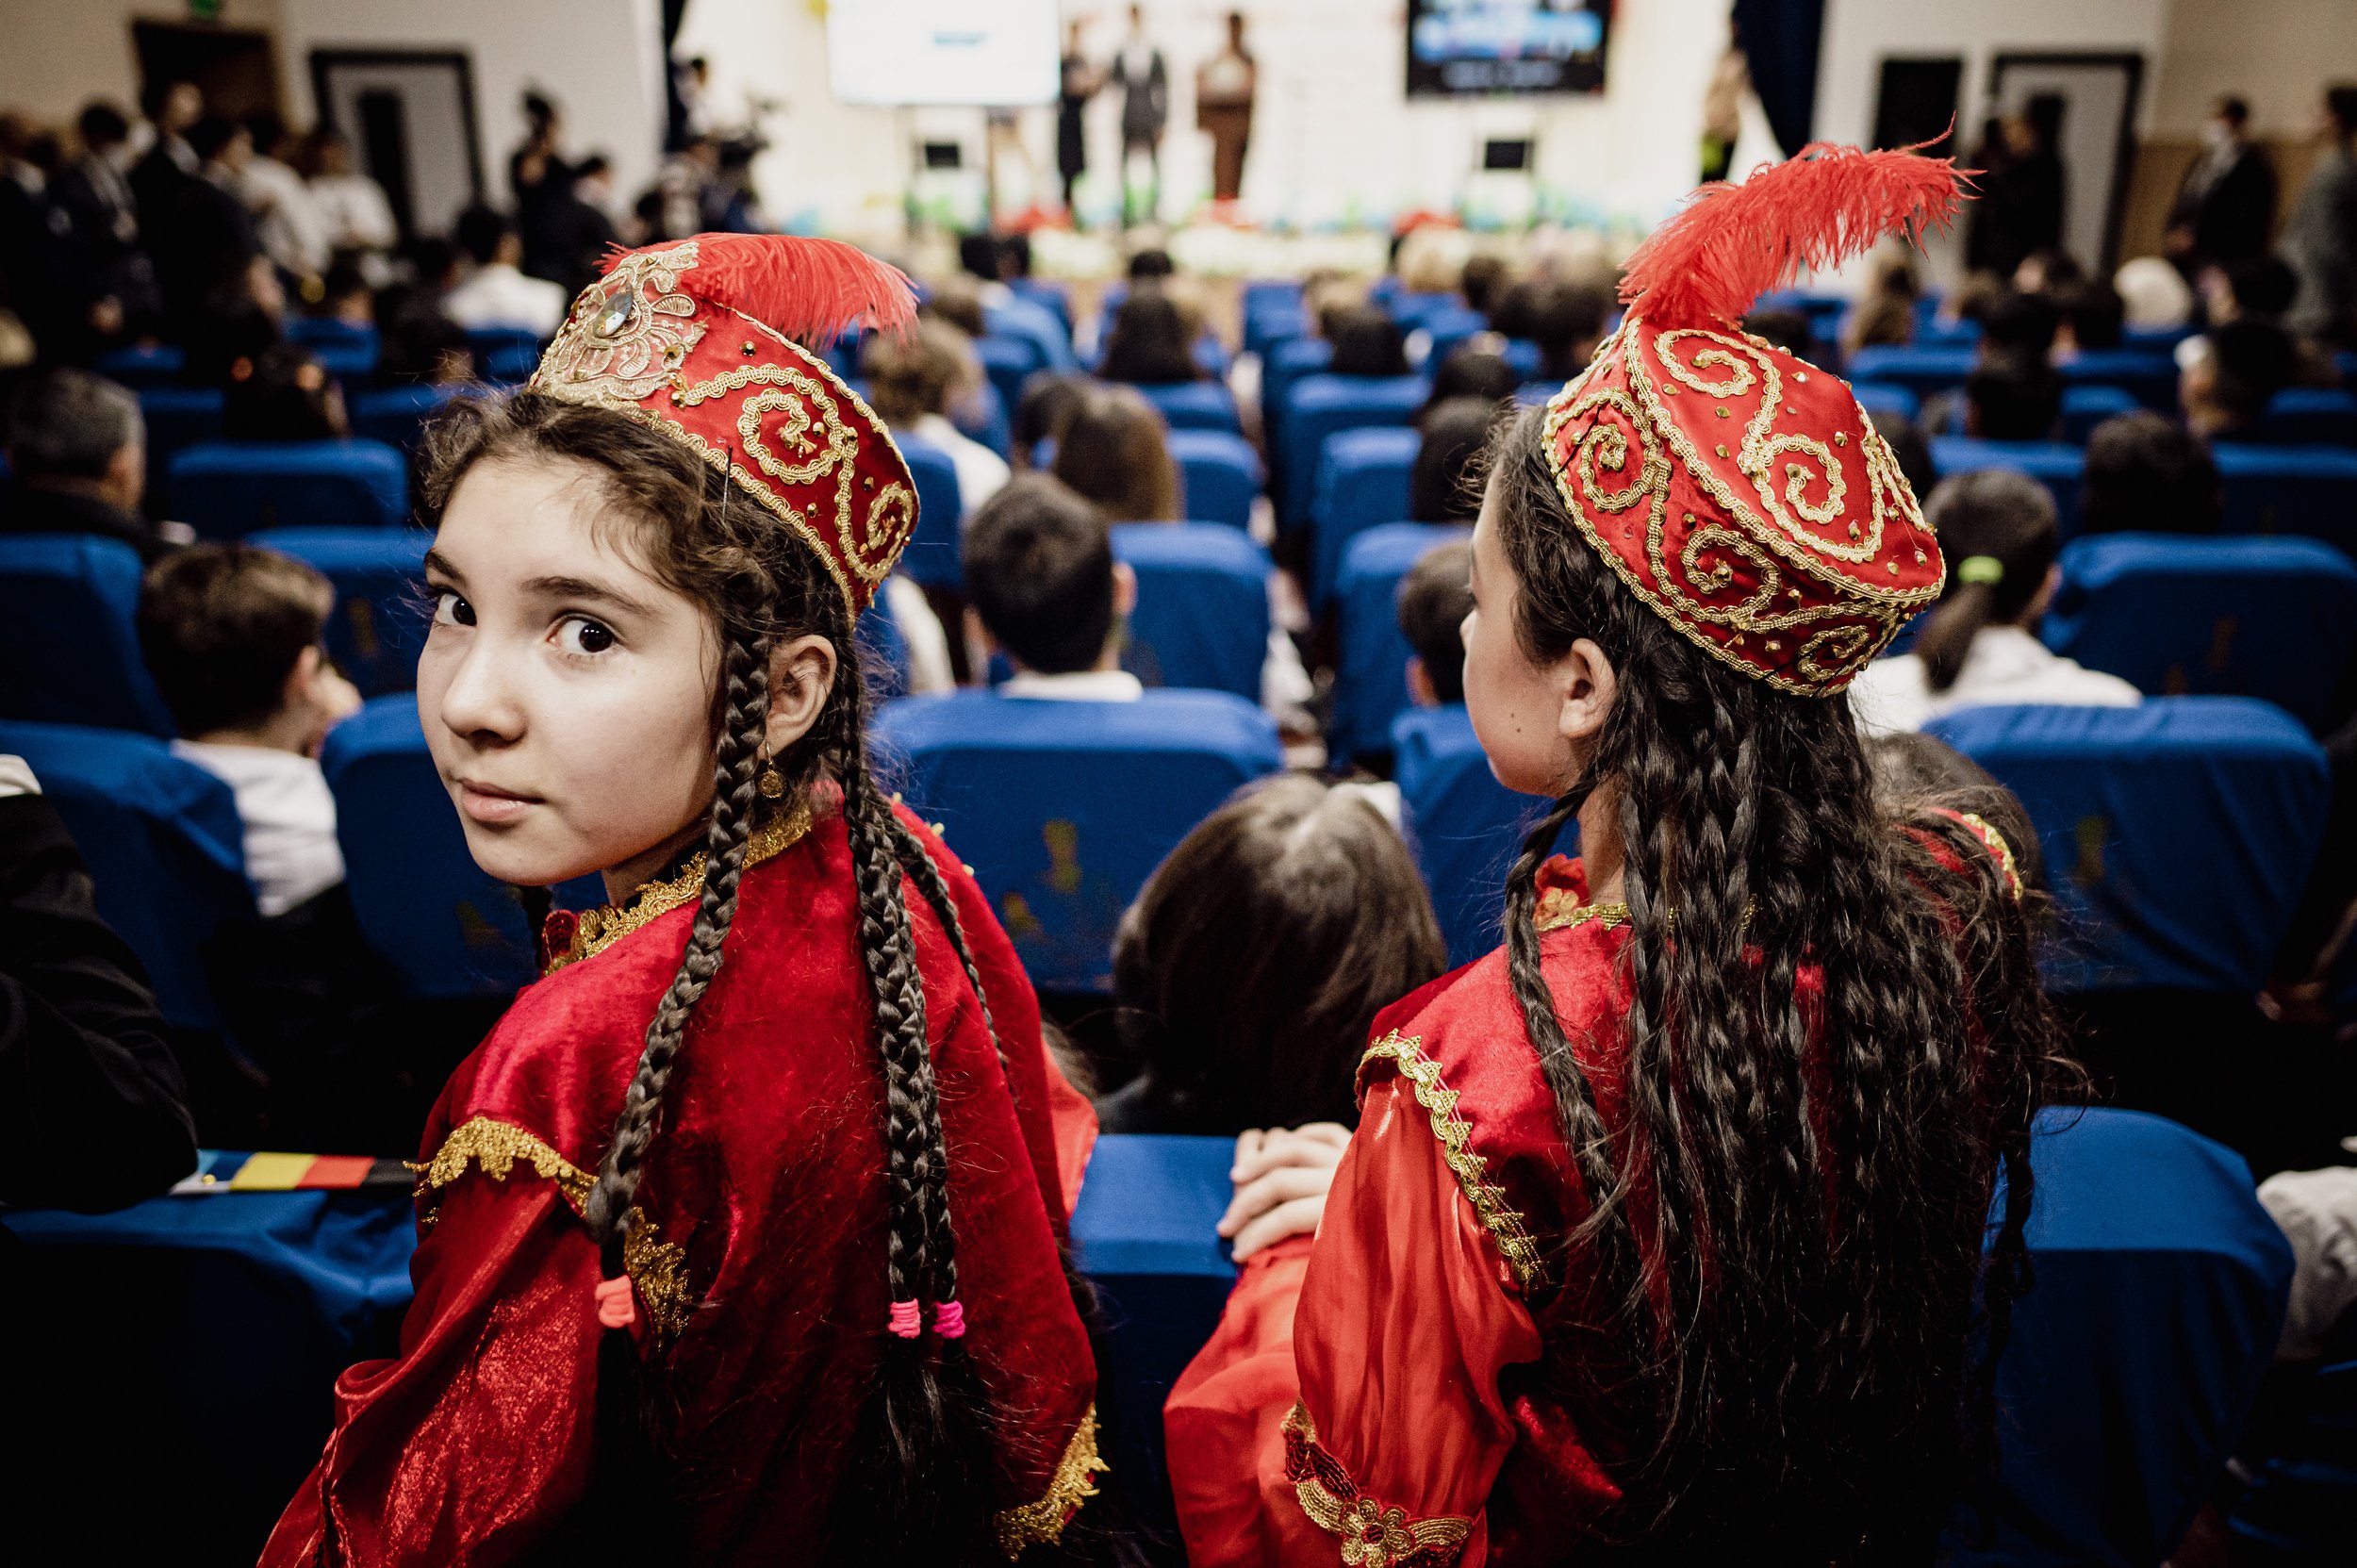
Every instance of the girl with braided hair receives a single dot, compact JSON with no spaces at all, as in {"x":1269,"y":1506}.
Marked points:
{"x":741,"y":1236}
{"x":1660,"y":1237}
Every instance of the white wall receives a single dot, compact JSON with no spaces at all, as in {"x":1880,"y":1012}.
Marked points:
{"x":2278,"y":55}
{"x":58,"y":55}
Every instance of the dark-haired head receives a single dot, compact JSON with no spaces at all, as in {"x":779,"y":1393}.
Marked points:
{"x":2147,"y":474}
{"x":959,"y":301}
{"x":1434,"y":601}
{"x":284,"y":396}
{"x":2012,"y":399}
{"x":225,"y":628}
{"x":2340,"y":108}
{"x":1041,"y":575}
{"x":483,"y":232}
{"x":1997,"y":529}
{"x":1047,"y":405}
{"x":2089,"y":312}
{"x":1149,"y":343}
{"x":1472,"y":371}
{"x":1785,"y":1302}
{"x":1115,"y":450}
{"x":1152,"y":262}
{"x":1788,"y":330}
{"x":1567,"y":322}
{"x":2228,"y":382}
{"x":1444,"y":483}
{"x":102,"y":127}
{"x":2018,"y":325}
{"x":1366,"y":341}
{"x":1484,"y":278}
{"x":1913,"y":771}
{"x":217,"y":138}
{"x":1249,"y":968}
{"x":2042,"y":272}
{"x":2260,"y":288}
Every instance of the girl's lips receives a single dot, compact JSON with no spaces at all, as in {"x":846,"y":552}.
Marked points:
{"x":492,"y":806}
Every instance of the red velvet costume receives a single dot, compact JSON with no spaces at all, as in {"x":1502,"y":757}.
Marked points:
{"x":761,"y":1278}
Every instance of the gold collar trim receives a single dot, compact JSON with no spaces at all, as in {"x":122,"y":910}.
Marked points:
{"x":1044,"y":1520}
{"x":596,"y":929}
{"x":1558,"y":907}
{"x":1504,"y":1223}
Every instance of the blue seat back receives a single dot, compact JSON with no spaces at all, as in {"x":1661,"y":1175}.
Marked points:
{"x":1920,"y":371}
{"x":318,"y":332}
{"x":1267,"y":325}
{"x":1202,"y":619}
{"x":932,"y":555}
{"x":2136,"y":1359}
{"x":1219,"y":475}
{"x":398,"y":415}
{"x":447,"y":927}
{"x":158,"y":365}
{"x":1008,"y":363}
{"x":1464,"y":827}
{"x":2309,"y":416}
{"x":1371,"y":684}
{"x":1887,"y":399}
{"x":163,"y":844}
{"x":2150,"y":378}
{"x":2177,"y":834}
{"x":68,"y":637}
{"x":382,"y":614}
{"x":1320,"y":405}
{"x":2309,"y":490}
{"x":227,"y":490}
{"x":2271,"y":618}
{"x":883,"y":651}
{"x":1054,"y":298}
{"x":1063,"y":809}
{"x":1449,"y":326}
{"x":1036,"y":324}
{"x":176,"y":416}
{"x":1284,"y":364}
{"x":1195,"y":405}
{"x":2085,"y":408}
{"x":1363,"y":480}
{"x":2058,"y":465}
{"x":504,"y":356}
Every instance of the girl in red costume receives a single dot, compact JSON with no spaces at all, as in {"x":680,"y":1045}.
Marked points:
{"x":740,"y":1234}
{"x":1660,"y":1234}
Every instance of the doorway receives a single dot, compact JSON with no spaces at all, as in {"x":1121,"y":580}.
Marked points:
{"x":2085,"y":108}
{"x":236,"y":68}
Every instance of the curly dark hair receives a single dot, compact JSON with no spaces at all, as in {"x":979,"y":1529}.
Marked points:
{"x":1836,"y":1038}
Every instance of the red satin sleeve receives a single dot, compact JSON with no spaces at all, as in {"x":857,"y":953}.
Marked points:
{"x":472,"y":1444}
{"x":1351,"y":1397}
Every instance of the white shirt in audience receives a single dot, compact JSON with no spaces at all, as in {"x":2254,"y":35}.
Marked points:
{"x":2317,"y":1212}
{"x":354,"y":211}
{"x":287,"y":215}
{"x":982,"y":472}
{"x":2005,"y":664}
{"x":499,"y":295}
{"x":289,"y":817}
{"x":928,"y":645}
{"x":1080,"y":685}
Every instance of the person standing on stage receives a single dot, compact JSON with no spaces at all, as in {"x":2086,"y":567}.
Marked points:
{"x":1223,"y":90}
{"x":1139,"y":70}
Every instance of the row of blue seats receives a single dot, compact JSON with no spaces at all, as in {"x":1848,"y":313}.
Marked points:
{"x":346,"y":352}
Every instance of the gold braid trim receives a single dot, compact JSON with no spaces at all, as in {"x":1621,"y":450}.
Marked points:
{"x":1044,"y":1520}
{"x":1985,"y":831}
{"x":1503,"y":1224}
{"x":1559,"y":907}
{"x":600,"y":929}
{"x":1373,"y":1536}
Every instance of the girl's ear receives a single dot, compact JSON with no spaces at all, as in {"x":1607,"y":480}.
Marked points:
{"x":801,"y":677}
{"x":1585,"y":688}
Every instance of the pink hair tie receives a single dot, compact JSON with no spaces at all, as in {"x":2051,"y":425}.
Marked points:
{"x":905,"y":1320}
{"x":615,"y":1310}
{"x":949,"y":1320}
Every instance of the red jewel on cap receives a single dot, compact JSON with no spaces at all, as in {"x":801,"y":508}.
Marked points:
{"x":1773,"y":541}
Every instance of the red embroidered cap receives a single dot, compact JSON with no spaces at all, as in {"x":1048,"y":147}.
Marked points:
{"x":1742,"y":492}
{"x":699,"y":339}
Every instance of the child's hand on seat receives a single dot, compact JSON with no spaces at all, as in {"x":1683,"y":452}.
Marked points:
{"x":1281,"y":1177}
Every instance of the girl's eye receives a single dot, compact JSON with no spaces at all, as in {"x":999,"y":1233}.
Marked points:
{"x":450,"y":610}
{"x":580,"y":634}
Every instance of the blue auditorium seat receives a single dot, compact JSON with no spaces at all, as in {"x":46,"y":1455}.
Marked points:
{"x":1008,"y":363}
{"x":1219,"y":475}
{"x":1202,"y":619}
{"x":1465,"y":828}
{"x":1195,"y":405}
{"x":983,"y":417}
{"x":1268,"y":323}
{"x":2136,"y":1359}
{"x":2271,"y":618}
{"x":2177,"y":834}
{"x":329,"y":332}
{"x":2149,"y":377}
{"x":397,"y":415}
{"x":1363,"y":480}
{"x":504,"y":356}
{"x":1371,"y":684}
{"x":176,"y":416}
{"x":2309,"y":490}
{"x":1450,"y":325}
{"x":1054,"y":298}
{"x":158,"y":365}
{"x":68,"y":639}
{"x":445,"y":926}
{"x":1284,"y":364}
{"x":1322,"y":405}
{"x":931,"y":556}
{"x":2057,"y":465}
{"x":163,"y":844}
{"x":1042,"y":327}
{"x":2154,"y":339}
{"x":1920,"y":371}
{"x":1267,"y":293}
{"x":1885,"y":400}
{"x":2309,"y":416}
{"x":352,"y":362}
{"x":1932,"y":333}
{"x":226,"y":489}
{"x":883,"y":651}
{"x":382,"y":613}
{"x":1065,"y":808}
{"x":2085,"y":408}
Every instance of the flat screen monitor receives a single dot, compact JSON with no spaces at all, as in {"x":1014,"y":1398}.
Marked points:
{"x":952,"y":53}
{"x":1457,"y":48}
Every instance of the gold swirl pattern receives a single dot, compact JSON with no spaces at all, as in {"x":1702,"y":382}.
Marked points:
{"x":626,"y":331}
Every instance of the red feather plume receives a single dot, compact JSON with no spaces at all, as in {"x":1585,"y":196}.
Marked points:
{"x":1733,"y":243}
{"x":811,"y":290}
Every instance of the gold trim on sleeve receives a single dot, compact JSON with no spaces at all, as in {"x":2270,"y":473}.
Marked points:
{"x":1045,"y":1519}
{"x":496,"y":1147}
{"x":1373,"y":1536}
{"x":1503,"y":1224}
{"x":600,"y":929}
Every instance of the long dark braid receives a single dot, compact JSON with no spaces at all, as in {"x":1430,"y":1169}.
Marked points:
{"x":1812,"y":1120}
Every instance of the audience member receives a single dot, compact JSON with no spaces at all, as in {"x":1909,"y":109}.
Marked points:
{"x":2225,"y":206}
{"x":1043,"y":588}
{"x":231,"y":633}
{"x":161,"y":176}
{"x":106,"y":1120}
{"x":1151,"y":264}
{"x":2259,"y":287}
{"x":79,"y":453}
{"x":1435,"y":598}
{"x":1883,"y":316}
{"x":537,"y":172}
{"x":1567,"y":322}
{"x":2320,"y":236}
{"x":1149,"y":345}
{"x":1255,"y":958}
{"x":345,"y":296}
{"x":1049,"y":401}
{"x":2154,"y":294}
{"x":2045,"y":269}
{"x":287,"y":397}
{"x":496,"y":293}
{"x":2227,"y":378}
{"x":288,"y":220}
{"x":1114,"y":453}
{"x":2019,"y":325}
{"x":113,"y":272}
{"x":1473,"y":371}
{"x":208,"y":237}
{"x":1483,"y":279}
{"x":352,"y":206}
{"x":2009,"y":399}
{"x":420,"y":346}
{"x":1915,"y":769}
{"x":226,"y":331}
{"x":578,"y":228}
{"x":2088,"y":315}
{"x":37,"y":263}
{"x":1979,"y":645}
{"x":1444,"y":485}
{"x":1788,"y":330}
{"x":1366,"y":342}
{"x":913,"y":381}
{"x":2145,"y":474}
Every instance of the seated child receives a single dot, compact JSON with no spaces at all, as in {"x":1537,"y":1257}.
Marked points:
{"x":2147,"y":474}
{"x":231,"y":633}
{"x":1980,"y":644}
{"x":913,"y":381}
{"x":1443,"y":485}
{"x":286,"y":396}
{"x":1045,"y":589}
{"x":1434,"y":601}
{"x":1294,"y":878}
